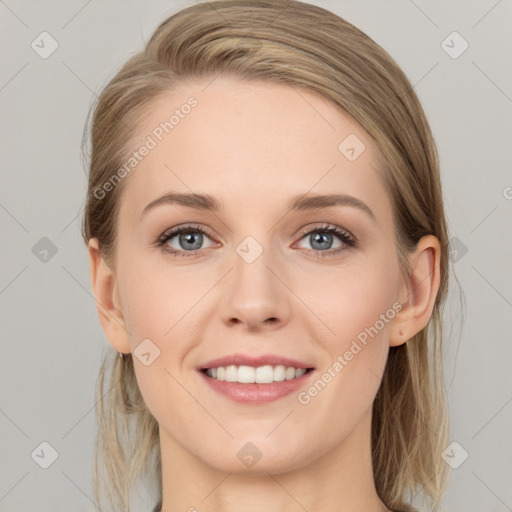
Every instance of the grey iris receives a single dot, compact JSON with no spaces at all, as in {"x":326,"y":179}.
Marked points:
{"x":322,"y":240}
{"x":188,"y":237}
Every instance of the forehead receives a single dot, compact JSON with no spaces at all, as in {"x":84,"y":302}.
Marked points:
{"x":248,"y":142}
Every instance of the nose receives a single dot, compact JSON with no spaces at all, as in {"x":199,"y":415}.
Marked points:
{"x":255,"y":296}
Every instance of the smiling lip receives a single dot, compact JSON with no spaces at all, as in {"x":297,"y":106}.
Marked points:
{"x":255,"y":394}
{"x":246,"y":360}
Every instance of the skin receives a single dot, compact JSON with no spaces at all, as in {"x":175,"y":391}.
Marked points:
{"x":253,"y":145}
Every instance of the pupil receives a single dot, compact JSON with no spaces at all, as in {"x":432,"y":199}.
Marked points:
{"x":321,"y":238}
{"x":189,"y":238}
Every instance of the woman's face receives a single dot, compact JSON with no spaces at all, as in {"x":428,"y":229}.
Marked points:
{"x":264,"y":282}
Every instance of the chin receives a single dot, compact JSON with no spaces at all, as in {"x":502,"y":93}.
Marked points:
{"x":259,"y":457}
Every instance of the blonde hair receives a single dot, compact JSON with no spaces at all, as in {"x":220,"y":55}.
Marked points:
{"x":304,"y":46}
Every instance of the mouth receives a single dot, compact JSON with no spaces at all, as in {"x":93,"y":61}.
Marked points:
{"x":266,"y":374}
{"x":255,"y":380}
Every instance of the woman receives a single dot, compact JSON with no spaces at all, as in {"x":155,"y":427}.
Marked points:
{"x":268,"y":252}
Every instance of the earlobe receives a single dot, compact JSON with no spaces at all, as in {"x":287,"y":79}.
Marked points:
{"x":106,"y":295}
{"x":422,"y":288}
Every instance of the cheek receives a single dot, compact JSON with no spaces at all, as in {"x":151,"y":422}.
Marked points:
{"x":337,"y":304}
{"x":357,"y":307}
{"x":153,"y":302}
{"x":355,"y":301}
{"x":155,"y":309}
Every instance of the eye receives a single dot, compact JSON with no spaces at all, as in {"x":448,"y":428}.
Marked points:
{"x":322,"y":237}
{"x":189,"y":240}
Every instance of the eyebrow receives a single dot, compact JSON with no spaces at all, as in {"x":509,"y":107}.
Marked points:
{"x":300,"y":202}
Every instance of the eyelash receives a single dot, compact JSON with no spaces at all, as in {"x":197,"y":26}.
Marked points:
{"x":343,"y":235}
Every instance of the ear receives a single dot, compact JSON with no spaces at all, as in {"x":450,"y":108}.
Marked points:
{"x":418,"y":293}
{"x":107,"y":299}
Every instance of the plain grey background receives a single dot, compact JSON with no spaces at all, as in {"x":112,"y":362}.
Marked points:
{"x":51,"y":338}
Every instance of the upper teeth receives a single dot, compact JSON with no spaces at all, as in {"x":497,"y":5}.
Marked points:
{"x":259,"y":375}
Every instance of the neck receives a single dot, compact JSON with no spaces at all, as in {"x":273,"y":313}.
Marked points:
{"x":340,"y":480}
